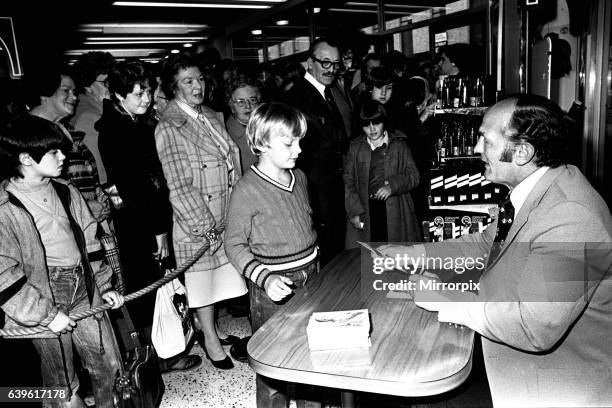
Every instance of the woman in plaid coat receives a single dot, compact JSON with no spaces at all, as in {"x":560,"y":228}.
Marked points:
{"x":201,"y":165}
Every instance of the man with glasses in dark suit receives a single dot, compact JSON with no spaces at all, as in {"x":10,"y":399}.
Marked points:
{"x":324,"y":144}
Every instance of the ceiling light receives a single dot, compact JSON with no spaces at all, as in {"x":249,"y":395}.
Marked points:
{"x":133,"y":42}
{"x":348,"y":10}
{"x":155,"y":29}
{"x":136,"y":38}
{"x":174,"y":51}
{"x":141,"y":25}
{"x":316,"y":10}
{"x":256,"y":32}
{"x":194,"y":5}
{"x":411,"y":6}
{"x":188,"y":45}
{"x":282,"y":22}
{"x":119,"y":52}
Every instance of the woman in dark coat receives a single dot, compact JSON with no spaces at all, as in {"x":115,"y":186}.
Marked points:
{"x":142,"y":224}
{"x":379,"y":173}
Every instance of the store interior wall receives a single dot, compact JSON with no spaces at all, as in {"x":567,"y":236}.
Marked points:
{"x":565,"y":94}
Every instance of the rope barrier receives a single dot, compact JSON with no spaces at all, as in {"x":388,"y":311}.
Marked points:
{"x":26,"y":331}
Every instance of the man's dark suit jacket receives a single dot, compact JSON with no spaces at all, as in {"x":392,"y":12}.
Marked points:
{"x":321,"y":159}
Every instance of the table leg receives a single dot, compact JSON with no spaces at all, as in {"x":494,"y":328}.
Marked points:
{"x":347,"y":399}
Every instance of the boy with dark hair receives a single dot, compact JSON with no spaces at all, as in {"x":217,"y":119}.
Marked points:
{"x":49,"y":266}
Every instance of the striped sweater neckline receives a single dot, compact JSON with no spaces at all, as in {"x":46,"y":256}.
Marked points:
{"x":270,"y":180}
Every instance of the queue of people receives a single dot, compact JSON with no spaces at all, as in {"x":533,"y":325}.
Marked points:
{"x":276,"y":184}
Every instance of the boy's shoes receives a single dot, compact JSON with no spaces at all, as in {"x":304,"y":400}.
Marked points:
{"x":184,"y":363}
{"x":238,"y":351}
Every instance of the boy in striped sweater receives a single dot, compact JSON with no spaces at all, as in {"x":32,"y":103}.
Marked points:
{"x":269,"y":235}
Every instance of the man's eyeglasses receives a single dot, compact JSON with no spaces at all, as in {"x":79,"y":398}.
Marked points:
{"x":252,"y":101}
{"x":327,"y":64}
{"x":105,"y":82}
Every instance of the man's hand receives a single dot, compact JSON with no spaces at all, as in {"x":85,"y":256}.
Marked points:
{"x":356,"y":222}
{"x":163,"y":251}
{"x":114,"y":299}
{"x":100,"y":210}
{"x":383,"y":193}
{"x":433,"y":300}
{"x":428,"y":299}
{"x":277,"y":287}
{"x":62,"y":323}
{"x":412,"y":251}
{"x":407,"y":253}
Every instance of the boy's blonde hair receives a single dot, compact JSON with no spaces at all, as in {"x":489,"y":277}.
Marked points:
{"x":272,"y":119}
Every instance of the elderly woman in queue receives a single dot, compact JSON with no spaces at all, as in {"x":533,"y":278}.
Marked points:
{"x":53,"y":97}
{"x":243,"y":96}
{"x":144,"y":217}
{"x":201,"y":164}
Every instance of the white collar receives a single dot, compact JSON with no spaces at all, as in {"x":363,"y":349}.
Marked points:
{"x":270,"y":180}
{"x":188,"y":109}
{"x":319,"y":86}
{"x":383,"y":140}
{"x":520,"y":193}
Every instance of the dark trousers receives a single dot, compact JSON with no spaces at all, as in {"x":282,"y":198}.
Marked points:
{"x":136,"y":246}
{"x":270,"y":392}
{"x":378,"y":221}
{"x":93,"y":338}
{"x":326,"y":191}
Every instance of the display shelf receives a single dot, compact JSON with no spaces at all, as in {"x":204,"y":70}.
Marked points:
{"x":472,"y":110}
{"x":449,"y":158}
{"x":480,"y":208}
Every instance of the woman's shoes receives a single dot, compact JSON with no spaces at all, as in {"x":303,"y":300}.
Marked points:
{"x":224,"y":364}
{"x":229,"y":340}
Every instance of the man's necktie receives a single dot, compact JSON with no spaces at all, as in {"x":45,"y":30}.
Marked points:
{"x":342,"y":139}
{"x":504,"y":222}
{"x":330,"y":101}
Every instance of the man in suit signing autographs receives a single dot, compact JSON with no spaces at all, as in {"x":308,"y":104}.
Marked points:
{"x":544,"y":303}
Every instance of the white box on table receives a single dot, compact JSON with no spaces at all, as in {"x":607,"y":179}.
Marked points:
{"x":339,"y":330}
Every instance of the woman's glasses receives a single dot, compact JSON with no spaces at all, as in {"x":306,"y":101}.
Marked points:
{"x":252,"y":101}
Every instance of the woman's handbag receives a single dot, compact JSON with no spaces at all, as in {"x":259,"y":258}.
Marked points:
{"x":139,"y":384}
{"x":172,"y":326}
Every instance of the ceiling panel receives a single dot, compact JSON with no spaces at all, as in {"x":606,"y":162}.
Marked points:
{"x":52,"y":27}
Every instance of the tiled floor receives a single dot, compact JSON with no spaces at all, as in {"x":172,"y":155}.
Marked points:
{"x":208,"y":387}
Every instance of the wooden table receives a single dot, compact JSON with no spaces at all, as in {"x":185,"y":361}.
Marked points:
{"x":412,"y":354}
